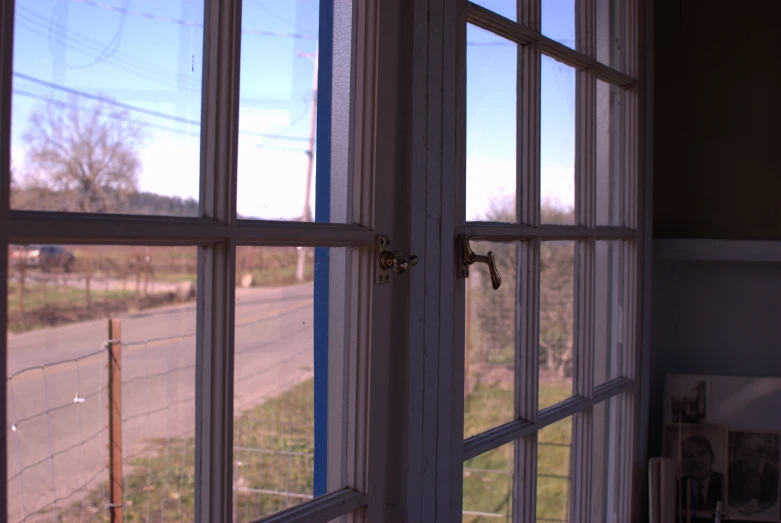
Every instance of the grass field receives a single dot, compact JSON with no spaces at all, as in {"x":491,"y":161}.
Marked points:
{"x":273,"y":455}
{"x":488,"y":478}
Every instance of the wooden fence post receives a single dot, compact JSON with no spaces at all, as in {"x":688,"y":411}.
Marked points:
{"x":115,"y":419}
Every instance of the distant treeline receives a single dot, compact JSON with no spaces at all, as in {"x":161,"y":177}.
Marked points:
{"x":41,"y":199}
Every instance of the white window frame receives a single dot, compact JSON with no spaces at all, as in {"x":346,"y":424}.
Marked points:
{"x":437,"y":300}
{"x":358,"y":487}
{"x":413,"y":466}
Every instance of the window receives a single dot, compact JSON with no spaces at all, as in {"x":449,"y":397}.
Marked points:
{"x":551,"y":191}
{"x":192,"y":238}
{"x":196,"y":198}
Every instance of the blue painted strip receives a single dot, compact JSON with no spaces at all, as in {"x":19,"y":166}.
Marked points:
{"x":322,"y":214}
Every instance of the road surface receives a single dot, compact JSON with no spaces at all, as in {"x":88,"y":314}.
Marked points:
{"x":60,"y":409}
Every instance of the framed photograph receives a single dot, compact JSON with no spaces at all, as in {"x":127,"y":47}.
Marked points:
{"x":753,"y":490}
{"x":687,"y":399}
{"x":701,"y":454}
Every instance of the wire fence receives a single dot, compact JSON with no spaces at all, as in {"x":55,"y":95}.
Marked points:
{"x":59,"y":435}
{"x":53,"y":443}
{"x":474,"y":507}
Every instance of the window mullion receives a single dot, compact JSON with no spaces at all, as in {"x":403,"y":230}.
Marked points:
{"x":527,"y":379}
{"x":528,"y":269}
{"x":583,"y":379}
{"x":216,"y":264}
{"x":585,"y":251}
{"x":628,"y":404}
{"x":6,"y":72}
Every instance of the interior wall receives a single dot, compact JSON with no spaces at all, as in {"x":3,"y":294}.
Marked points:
{"x":717,"y":119}
{"x":717,"y":175}
{"x":713,"y":318}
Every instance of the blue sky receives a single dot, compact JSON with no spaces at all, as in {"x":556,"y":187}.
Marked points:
{"x":148,"y":54}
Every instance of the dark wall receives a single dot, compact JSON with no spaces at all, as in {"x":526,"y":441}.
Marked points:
{"x":717,"y":119}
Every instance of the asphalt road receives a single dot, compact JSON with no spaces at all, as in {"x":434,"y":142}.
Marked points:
{"x":57,"y":437}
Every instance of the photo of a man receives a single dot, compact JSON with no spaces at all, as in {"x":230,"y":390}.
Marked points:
{"x":754,"y":480}
{"x":706,"y":486}
{"x":700,"y":450}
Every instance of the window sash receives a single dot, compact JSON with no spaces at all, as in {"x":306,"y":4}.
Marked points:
{"x":217,"y":233}
{"x":6,"y":75}
{"x":529,"y":234}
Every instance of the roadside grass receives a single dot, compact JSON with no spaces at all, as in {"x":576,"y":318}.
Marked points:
{"x":279,"y":276}
{"x":37,"y":296}
{"x":174,"y":277}
{"x":53,"y":305}
{"x":273,"y":456}
{"x":274,"y":449}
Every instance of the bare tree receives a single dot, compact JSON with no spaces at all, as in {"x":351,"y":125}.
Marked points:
{"x":85,"y":153}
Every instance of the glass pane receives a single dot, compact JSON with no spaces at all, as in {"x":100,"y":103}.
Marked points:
{"x":610,"y":150}
{"x":557,"y":293}
{"x":610,"y":44}
{"x":488,"y":486}
{"x":558,"y":21}
{"x":604,"y":461}
{"x":280,"y":323}
{"x":608,"y":310}
{"x":107,"y":107}
{"x":278,"y":177}
{"x":557,"y":148}
{"x":492,"y":64}
{"x":60,"y":428}
{"x":553,"y":471}
{"x":490,"y":341}
{"x":506,"y":8}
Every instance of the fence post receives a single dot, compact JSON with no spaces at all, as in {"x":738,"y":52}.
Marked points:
{"x":115,"y":419}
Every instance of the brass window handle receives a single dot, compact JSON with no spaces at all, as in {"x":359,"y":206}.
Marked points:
{"x":469,"y":257}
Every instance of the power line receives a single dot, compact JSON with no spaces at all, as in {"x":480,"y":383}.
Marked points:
{"x":86,"y":46}
{"x":106,"y":100}
{"x":265,"y":9}
{"x":491,"y":44}
{"x":42,"y":22}
{"x":189,"y":23}
{"x":148,"y":111}
{"x":117,"y":117}
{"x":259,"y":32}
{"x":143,"y":123}
{"x":108,"y":50}
{"x":289,"y":126}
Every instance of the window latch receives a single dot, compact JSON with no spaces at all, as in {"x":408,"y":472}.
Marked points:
{"x":391,"y":260}
{"x":468,"y":257}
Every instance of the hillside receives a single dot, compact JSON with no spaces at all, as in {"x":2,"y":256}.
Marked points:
{"x":39,"y":199}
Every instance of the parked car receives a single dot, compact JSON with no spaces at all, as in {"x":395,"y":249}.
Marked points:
{"x":48,"y":257}
{"x":18,"y":253}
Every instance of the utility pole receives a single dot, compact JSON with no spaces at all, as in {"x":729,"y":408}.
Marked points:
{"x":306,"y":215}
